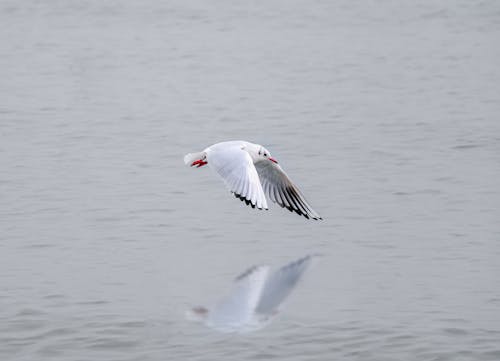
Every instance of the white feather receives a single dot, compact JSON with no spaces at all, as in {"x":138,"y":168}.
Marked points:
{"x":235,"y":166}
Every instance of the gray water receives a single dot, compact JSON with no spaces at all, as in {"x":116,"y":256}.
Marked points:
{"x":386,"y":114}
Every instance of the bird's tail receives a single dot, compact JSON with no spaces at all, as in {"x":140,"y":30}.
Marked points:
{"x":191,"y":157}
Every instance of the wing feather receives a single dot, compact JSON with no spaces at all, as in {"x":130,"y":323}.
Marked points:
{"x":236,"y":168}
{"x":281,"y":190}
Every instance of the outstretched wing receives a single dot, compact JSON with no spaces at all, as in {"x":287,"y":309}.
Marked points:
{"x":280,"y":284}
{"x":236,"y":309}
{"x":236,"y":168}
{"x":281,"y":190}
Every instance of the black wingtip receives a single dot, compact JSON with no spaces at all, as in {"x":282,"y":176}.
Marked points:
{"x":248,"y":202}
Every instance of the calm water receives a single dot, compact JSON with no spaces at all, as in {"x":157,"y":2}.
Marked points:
{"x":386,"y":114}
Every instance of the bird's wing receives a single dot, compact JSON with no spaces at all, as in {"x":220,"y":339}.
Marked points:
{"x":237,"y":308}
{"x":280,"y":284}
{"x":236,"y":168}
{"x":281,"y":190}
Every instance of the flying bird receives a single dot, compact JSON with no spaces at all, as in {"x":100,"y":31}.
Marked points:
{"x":255,"y":299}
{"x":251,"y":173}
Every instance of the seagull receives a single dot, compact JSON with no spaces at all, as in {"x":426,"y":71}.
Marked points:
{"x":250,"y":172}
{"x":254,"y":300}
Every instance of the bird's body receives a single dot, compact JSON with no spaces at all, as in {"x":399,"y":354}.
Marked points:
{"x":256,"y":298}
{"x":250,"y":173}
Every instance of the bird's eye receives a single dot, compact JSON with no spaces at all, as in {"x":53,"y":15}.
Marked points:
{"x":265,"y":154}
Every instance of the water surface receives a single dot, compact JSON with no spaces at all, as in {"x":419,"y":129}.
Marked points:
{"x":385,"y":114}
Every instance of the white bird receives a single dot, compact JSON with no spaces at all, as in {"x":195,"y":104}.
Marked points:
{"x":249,"y":171}
{"x":255,"y":299}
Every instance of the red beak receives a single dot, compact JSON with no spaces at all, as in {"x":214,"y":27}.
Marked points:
{"x":273,"y":160}
{"x":199,"y":163}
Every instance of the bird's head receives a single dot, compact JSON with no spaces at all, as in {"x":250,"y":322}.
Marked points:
{"x":265,"y":154}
